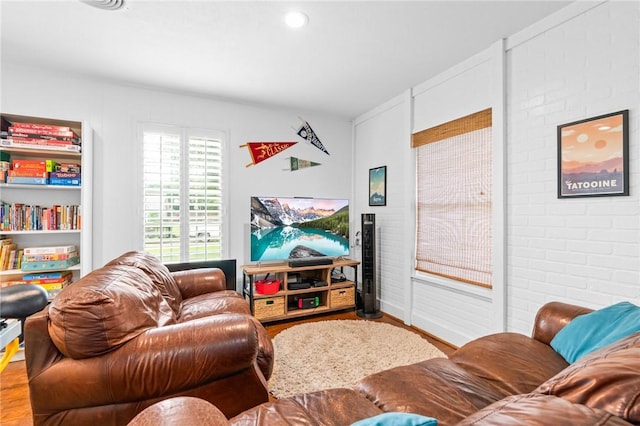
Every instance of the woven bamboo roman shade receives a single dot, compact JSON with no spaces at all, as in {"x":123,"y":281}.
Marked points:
{"x":454,"y":199}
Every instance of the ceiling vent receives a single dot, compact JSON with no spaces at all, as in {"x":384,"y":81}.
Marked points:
{"x":105,"y":4}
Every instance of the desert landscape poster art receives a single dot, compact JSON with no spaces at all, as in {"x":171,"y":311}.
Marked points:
{"x":593,"y":156}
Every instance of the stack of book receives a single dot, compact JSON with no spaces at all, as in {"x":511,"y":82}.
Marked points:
{"x":38,"y":172}
{"x":40,"y":136}
{"x":53,"y":282}
{"x":49,"y":258}
{"x":31,"y":172}
{"x":10,"y":255}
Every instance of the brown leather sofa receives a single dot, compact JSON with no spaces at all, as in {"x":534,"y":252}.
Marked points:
{"x":131,"y":333}
{"x":501,"y":379}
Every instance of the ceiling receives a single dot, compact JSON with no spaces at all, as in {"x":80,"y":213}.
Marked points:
{"x":351,"y":57}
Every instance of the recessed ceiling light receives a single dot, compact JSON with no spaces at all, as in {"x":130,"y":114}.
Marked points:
{"x":296,"y":19}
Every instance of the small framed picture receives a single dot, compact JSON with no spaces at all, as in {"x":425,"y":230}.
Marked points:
{"x":378,"y":186}
{"x":593,"y":156}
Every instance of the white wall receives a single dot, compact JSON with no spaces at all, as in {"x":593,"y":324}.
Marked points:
{"x":581,"y":62}
{"x":379,"y":139}
{"x":114,"y":111}
{"x":584,"y":250}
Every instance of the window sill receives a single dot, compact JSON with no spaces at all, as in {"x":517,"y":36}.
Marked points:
{"x":422,"y":278}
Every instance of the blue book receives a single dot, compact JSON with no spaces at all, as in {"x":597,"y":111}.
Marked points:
{"x":27,"y":180}
{"x":48,"y":275}
{"x":64,"y":181}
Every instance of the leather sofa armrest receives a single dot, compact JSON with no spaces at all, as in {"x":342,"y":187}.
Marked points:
{"x":160,"y":362}
{"x":552,"y":317}
{"x":180,"y":411}
{"x":194,"y":282}
{"x":40,"y":351}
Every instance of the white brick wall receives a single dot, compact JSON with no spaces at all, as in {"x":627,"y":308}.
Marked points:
{"x":587,"y":250}
{"x":582,"y":62}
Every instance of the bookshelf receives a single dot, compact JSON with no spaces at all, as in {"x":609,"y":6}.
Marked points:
{"x":77,"y":228}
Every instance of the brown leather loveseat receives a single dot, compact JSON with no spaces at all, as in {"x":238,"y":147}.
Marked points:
{"x":131,"y":333}
{"x":501,"y":379}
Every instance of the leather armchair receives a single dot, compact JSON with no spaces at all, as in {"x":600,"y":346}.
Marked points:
{"x":112,"y":344}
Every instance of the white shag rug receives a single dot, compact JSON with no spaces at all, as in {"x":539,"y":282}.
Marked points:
{"x":338,"y":353}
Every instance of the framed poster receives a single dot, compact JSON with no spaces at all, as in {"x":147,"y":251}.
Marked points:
{"x":593,"y":156}
{"x":378,"y":186}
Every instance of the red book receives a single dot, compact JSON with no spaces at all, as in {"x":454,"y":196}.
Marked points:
{"x":40,"y":166}
{"x":45,"y":132}
{"x":48,"y":127}
{"x":38,"y":141}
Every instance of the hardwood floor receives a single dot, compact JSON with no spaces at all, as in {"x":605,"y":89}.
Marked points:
{"x":15,"y":408}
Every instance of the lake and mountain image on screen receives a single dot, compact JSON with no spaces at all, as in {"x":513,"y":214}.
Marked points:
{"x":295,"y":228}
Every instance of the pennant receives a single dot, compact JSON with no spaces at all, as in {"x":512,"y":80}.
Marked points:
{"x":306,"y":132}
{"x":299,"y":163}
{"x":261,"y":151}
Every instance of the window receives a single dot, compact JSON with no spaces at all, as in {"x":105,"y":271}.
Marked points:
{"x":454,"y":199}
{"x":182,"y":193}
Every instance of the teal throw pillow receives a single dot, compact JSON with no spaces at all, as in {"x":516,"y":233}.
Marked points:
{"x":586,"y":333}
{"x":397,"y":419}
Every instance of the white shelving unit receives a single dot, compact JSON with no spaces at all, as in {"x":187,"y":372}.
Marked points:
{"x":48,"y":195}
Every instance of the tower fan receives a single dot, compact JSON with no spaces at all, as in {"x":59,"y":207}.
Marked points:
{"x":369,"y":300}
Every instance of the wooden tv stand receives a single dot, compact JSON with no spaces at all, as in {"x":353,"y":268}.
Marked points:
{"x":286,"y":303}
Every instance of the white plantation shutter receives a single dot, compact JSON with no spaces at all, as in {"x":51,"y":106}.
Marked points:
{"x":205,"y":197}
{"x":454,"y":194}
{"x":182,"y":193}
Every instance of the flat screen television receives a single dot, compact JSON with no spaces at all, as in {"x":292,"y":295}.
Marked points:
{"x":284,"y":228}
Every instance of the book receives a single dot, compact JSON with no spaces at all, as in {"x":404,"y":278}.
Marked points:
{"x":50,"y":265}
{"x":26,"y":180}
{"x":40,"y":166}
{"x":65,"y":175}
{"x":51,"y":165}
{"x":18,"y":263}
{"x":5,"y":255}
{"x":64,"y":181}
{"x":52,"y":281}
{"x":51,"y":286}
{"x":30,"y":145}
{"x":50,"y":250}
{"x":46,"y":275}
{"x":11,"y":261}
{"x":38,"y":126}
{"x":27,"y":173}
{"x":64,"y":178}
{"x":41,"y":131}
{"x":16,"y":135}
{"x":49,"y":256}
{"x":67,"y":167}
{"x":40,"y":141}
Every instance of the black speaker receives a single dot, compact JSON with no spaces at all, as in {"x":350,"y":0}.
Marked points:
{"x":369,"y":293}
